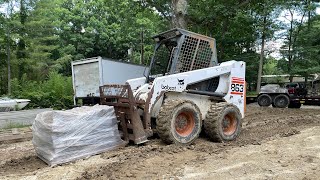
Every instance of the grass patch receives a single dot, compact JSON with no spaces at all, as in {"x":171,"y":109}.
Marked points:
{"x":252,"y":93}
{"x":15,"y":125}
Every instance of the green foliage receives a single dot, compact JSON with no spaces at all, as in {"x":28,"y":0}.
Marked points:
{"x":251,"y":94}
{"x":229,"y":22}
{"x":46,"y":35}
{"x":270,"y":67}
{"x":307,"y":49}
{"x":55,"y":92}
{"x":14,"y":125}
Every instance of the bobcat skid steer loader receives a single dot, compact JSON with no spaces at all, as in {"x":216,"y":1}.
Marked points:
{"x":184,"y":92}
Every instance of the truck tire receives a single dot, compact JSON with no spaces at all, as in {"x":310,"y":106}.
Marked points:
{"x":264,"y":100}
{"x":179,"y":122}
{"x":223,"y":122}
{"x":281,"y":101}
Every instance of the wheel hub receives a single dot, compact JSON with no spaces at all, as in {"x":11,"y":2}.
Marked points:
{"x":281,"y":101}
{"x":264,"y":100}
{"x":229,"y":124}
{"x":184,"y":123}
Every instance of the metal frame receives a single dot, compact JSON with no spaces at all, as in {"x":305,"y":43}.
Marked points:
{"x":126,"y":108}
{"x":194,"y":51}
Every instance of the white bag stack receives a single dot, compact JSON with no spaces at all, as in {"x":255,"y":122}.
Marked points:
{"x":63,"y":136}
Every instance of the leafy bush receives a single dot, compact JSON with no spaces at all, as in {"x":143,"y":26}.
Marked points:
{"x":55,"y":92}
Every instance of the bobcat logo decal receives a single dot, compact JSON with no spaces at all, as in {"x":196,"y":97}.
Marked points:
{"x":180,"y":81}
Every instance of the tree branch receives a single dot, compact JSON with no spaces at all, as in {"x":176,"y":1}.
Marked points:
{"x":151,"y":4}
{"x":243,"y":3}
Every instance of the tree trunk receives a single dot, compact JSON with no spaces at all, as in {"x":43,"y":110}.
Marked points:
{"x":179,"y":13}
{"x":292,"y":42}
{"x":8,"y":60}
{"x":223,"y":37}
{"x":142,"y":47}
{"x":9,"y":12}
{"x":306,"y":80}
{"x":21,"y":50}
{"x":261,"y":54}
{"x":309,"y":15}
{"x":290,"y":45}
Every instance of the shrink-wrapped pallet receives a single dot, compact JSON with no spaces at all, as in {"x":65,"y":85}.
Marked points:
{"x":63,"y":136}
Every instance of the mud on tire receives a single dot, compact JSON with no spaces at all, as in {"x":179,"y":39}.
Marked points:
{"x":179,"y":122}
{"x":223,"y":122}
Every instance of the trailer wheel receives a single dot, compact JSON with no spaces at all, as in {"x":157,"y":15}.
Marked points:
{"x":281,"y":101}
{"x":179,"y":122}
{"x":264,"y":100}
{"x":223,"y":122}
{"x":295,"y":105}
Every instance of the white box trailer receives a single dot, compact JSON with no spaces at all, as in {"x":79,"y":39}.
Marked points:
{"x":89,"y":74}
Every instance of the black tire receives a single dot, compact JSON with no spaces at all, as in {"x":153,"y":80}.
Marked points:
{"x":264,"y":100}
{"x":273,"y":105}
{"x":215,"y":121}
{"x":179,"y":122}
{"x":295,"y":105}
{"x":281,"y":101}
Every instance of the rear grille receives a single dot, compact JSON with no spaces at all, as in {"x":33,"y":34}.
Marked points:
{"x":195,"y":54}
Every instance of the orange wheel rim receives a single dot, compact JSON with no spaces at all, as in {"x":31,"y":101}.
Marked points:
{"x":184,"y":123}
{"x":229,"y":124}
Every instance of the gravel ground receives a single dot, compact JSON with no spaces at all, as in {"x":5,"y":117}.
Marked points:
{"x":274,"y":144}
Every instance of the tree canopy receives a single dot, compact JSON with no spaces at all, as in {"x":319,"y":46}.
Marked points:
{"x":38,"y":37}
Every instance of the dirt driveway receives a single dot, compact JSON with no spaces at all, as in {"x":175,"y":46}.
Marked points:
{"x":274,"y":144}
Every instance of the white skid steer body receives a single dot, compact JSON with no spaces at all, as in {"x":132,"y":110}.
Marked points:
{"x":231,"y":87}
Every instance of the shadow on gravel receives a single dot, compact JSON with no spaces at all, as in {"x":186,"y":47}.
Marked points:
{"x":22,"y":165}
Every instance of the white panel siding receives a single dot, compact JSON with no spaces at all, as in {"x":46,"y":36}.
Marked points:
{"x":89,"y":74}
{"x":118,"y":72}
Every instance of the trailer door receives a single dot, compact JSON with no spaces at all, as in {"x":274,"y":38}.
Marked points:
{"x":86,"y":79}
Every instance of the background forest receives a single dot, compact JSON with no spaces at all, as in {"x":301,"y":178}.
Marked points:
{"x":40,"y":38}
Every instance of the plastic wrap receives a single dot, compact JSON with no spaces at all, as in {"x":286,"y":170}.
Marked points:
{"x":63,"y":136}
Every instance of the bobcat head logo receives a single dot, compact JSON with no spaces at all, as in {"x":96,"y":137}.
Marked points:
{"x":180,"y":81}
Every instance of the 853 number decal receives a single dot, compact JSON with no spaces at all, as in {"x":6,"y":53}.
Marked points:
{"x":236,"y":87}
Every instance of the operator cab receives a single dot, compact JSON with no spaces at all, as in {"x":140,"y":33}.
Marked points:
{"x":162,"y":60}
{"x":178,"y":50}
